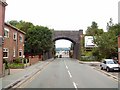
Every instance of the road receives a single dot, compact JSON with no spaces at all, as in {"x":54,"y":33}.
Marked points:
{"x":69,"y":73}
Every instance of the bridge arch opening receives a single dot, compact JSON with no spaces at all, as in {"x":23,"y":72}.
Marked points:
{"x":64,"y":47}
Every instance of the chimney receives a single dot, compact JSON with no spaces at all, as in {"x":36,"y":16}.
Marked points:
{"x":2,"y":17}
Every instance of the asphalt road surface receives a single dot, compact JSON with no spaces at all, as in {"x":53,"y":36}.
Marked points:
{"x":69,"y":73}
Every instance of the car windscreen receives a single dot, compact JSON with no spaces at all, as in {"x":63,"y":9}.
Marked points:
{"x":111,"y":62}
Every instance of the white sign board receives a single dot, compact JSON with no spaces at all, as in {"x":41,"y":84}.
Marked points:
{"x":89,"y":41}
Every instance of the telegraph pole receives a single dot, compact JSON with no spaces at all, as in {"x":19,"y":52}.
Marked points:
{"x":3,"y":4}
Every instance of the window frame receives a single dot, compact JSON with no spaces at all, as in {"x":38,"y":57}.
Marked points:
{"x":6,"y":50}
{"x":15,"y":34}
{"x":20,"y":50}
{"x":14,"y":53}
{"x":6,"y":30}
{"x":21,"y":38}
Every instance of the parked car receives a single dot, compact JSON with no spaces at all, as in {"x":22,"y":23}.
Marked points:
{"x":110,"y":65}
{"x":60,"y":56}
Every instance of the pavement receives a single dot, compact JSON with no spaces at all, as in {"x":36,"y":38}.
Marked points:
{"x":96,"y":65}
{"x":20,"y":75}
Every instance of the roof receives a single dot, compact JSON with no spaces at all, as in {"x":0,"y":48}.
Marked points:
{"x":108,"y":59}
{"x":15,"y":28}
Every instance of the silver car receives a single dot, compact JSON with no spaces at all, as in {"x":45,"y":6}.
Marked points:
{"x":110,"y":65}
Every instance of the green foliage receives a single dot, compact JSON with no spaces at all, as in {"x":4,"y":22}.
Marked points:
{"x":93,"y":30}
{"x":6,"y":63}
{"x":16,"y":65}
{"x":22,"y":25}
{"x":38,"y":39}
{"x":107,"y":42}
{"x":18,"y":60}
{"x":96,"y":53}
{"x":88,"y":58}
{"x":88,"y":53}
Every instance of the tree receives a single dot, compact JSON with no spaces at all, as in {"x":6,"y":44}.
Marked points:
{"x":93,"y":30}
{"x":107,"y":42}
{"x":39,"y":40}
{"x":13,"y":22}
{"x":22,"y":25}
{"x":110,"y":24}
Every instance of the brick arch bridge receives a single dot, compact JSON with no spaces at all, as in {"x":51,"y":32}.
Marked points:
{"x":73,"y":36}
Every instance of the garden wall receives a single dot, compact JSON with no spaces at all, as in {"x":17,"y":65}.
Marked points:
{"x":35,"y":59}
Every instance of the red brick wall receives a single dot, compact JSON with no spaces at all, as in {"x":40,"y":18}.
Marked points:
{"x":20,"y":44}
{"x":12,"y":44}
{"x":119,"y":48}
{"x":2,"y":16}
{"x":34,"y":59}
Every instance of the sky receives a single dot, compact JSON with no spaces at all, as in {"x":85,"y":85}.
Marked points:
{"x":63,"y":14}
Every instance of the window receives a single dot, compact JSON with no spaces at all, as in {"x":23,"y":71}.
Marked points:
{"x":14,"y":36}
{"x":6,"y":32}
{"x":21,"y":38}
{"x":20,"y":53}
{"x":5,"y":53}
{"x":104,"y":62}
{"x":14,"y":52}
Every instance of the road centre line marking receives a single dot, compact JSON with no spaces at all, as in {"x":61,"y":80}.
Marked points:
{"x":66,"y":66}
{"x":69,"y":74}
{"x":65,"y":63}
{"x":75,"y":85}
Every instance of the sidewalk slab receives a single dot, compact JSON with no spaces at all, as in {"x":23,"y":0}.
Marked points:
{"x":22,"y":74}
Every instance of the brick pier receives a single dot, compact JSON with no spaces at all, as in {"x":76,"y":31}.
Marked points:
{"x":2,"y":17}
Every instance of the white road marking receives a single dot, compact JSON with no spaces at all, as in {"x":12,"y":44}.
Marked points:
{"x":66,"y":66}
{"x":69,"y":74}
{"x":75,"y":85}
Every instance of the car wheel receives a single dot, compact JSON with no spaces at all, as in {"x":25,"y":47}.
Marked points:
{"x":119,"y":70}
{"x":101,"y":68}
{"x":108,"y":69}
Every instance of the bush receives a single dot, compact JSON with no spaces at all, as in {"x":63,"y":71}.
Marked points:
{"x":6,"y":64}
{"x":18,"y":60}
{"x":16,"y":65}
{"x":88,"y":58}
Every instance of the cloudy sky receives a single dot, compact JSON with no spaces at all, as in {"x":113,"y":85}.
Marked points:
{"x":63,"y":14}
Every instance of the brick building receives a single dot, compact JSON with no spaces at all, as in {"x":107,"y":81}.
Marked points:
{"x":119,"y":48}
{"x":13,"y":46}
{"x":3,"y":4}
